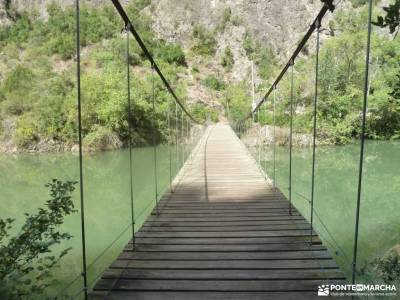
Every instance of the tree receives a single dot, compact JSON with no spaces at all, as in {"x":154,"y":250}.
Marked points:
{"x":26,"y":259}
{"x":392,"y":18}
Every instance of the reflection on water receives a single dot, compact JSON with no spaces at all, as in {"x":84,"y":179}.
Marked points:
{"x":336,"y":194}
{"x":106,"y":194}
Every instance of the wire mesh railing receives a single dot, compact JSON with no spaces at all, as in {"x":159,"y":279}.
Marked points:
{"x":304,"y":176}
{"x":171,"y":137}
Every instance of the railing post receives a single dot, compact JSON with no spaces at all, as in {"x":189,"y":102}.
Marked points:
{"x":317,"y":26}
{"x":82,"y":202}
{"x":291,"y":134}
{"x":274,"y":132}
{"x":360,"y":174}
{"x":130,"y":121}
{"x":154,"y":137}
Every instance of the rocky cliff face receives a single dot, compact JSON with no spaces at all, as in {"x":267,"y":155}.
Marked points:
{"x":277,"y":22}
{"x":280,"y":23}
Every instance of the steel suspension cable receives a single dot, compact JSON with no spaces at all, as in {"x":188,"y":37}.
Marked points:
{"x":130,"y":121}
{"x":362,"y":144}
{"x":147,"y":54}
{"x":82,"y":202}
{"x":314,"y":131}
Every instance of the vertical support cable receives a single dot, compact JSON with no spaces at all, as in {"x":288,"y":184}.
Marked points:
{"x":265,"y":138}
{"x":154,"y":138}
{"x":360,"y":174}
{"x":274,"y":132}
{"x":169,"y":147}
{"x":259,"y":114}
{"x":78,"y":74}
{"x":318,"y":26}
{"x":176,"y":136}
{"x":130,"y":121}
{"x":188,"y":134}
{"x":291,"y":135}
{"x":182,"y":139}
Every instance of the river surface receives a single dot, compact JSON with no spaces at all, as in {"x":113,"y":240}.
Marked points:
{"x":335,"y":198}
{"x":106,"y":197}
{"x":108,"y":206}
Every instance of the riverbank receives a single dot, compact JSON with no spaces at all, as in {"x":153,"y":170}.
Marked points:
{"x":264,"y":135}
{"x":107,"y":141}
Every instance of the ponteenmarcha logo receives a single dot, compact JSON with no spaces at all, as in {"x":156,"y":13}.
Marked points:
{"x":323,"y":290}
{"x":357,"y":290}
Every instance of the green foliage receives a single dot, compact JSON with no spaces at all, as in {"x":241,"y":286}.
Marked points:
{"x":16,"y":87}
{"x":391,"y":19}
{"x":26,"y":132}
{"x":227,"y":59}
{"x":214,"y":83}
{"x":18,"y":33}
{"x":204,"y":42}
{"x":40,"y":91}
{"x":226,"y":17}
{"x":358,"y":3}
{"x":385,"y":269}
{"x":263,"y":56}
{"x":237,"y":101}
{"x":171,"y":53}
{"x":202,"y":112}
{"x":26,"y":259}
{"x":341,"y":83}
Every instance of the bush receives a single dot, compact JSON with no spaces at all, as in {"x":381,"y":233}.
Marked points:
{"x":101,"y":138}
{"x":204,"y":41}
{"x":202,"y":112}
{"x":26,"y":132}
{"x":227,"y":59}
{"x":26,"y":259}
{"x":171,"y":53}
{"x":214,"y":83}
{"x":226,"y":17}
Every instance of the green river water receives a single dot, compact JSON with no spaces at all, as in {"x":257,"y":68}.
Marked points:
{"x":107,"y":201}
{"x":108,"y":210}
{"x":335,"y":196}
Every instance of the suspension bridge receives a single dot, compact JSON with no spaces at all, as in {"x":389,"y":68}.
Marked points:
{"x":222,"y":233}
{"x":223,"y":230}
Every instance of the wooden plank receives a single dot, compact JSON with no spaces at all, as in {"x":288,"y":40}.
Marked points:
{"x":309,"y":254}
{"x":213,"y":285}
{"x":226,"y":265}
{"x":227,"y":247}
{"x":225,"y":240}
{"x":227,"y":224}
{"x":176,"y":295}
{"x":236,"y":228}
{"x":223,"y":274}
{"x":225,"y":234}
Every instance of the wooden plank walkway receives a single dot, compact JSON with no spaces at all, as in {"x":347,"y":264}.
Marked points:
{"x":223,"y":234}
